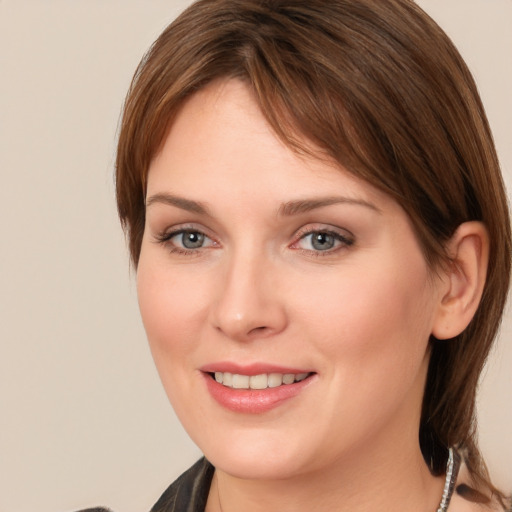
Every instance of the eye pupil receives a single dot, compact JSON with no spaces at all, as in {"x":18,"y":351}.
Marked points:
{"x":322,"y":241}
{"x":192,"y":239}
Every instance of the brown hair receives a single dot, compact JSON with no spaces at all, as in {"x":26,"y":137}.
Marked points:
{"x":378,"y":87}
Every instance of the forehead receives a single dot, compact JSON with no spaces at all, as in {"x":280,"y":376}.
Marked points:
{"x":220,"y":136}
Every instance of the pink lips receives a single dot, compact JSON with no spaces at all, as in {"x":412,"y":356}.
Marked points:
{"x":252,"y":401}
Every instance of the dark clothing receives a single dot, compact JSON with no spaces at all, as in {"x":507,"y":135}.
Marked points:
{"x":189,"y":492}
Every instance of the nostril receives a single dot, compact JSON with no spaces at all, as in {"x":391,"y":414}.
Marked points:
{"x":258,"y":330}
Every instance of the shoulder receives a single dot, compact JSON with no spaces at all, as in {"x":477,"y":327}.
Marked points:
{"x":189,"y":492}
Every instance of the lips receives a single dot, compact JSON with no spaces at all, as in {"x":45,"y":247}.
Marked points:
{"x":256,"y":388}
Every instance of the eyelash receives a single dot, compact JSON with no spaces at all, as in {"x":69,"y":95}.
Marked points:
{"x":344,"y":241}
{"x":165,"y":238}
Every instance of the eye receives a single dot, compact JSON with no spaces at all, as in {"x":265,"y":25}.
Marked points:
{"x":323,"y":241}
{"x":185,"y":240}
{"x":320,"y":241}
{"x":189,"y":239}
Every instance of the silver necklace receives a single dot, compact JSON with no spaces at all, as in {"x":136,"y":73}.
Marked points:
{"x":452,"y":467}
{"x":449,"y":483}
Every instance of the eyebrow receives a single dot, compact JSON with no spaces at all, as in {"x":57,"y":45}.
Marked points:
{"x":287,"y":209}
{"x":306,"y":205}
{"x":179,"y":202}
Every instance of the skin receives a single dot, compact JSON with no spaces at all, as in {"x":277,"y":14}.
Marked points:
{"x":359,"y":315}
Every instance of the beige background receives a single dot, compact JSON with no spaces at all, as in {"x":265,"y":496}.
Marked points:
{"x":83,"y":420}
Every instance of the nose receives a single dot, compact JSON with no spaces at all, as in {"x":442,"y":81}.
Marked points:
{"x":249,"y":304}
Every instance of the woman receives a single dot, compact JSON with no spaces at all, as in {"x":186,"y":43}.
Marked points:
{"x":312,"y":197}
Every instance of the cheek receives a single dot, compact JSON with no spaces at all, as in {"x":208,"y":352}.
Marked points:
{"x":171,"y":306}
{"x":171,"y":311}
{"x":378,"y":316}
{"x":374,"y":334}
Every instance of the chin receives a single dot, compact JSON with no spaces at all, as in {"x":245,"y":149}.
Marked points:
{"x":256,"y":455}
{"x":254,"y":467}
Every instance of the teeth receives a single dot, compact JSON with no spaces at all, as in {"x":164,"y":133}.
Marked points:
{"x":240,"y":381}
{"x":288,"y":378}
{"x":262,"y":381}
{"x":275,"y":380}
{"x":227,"y":379}
{"x":258,"y":381}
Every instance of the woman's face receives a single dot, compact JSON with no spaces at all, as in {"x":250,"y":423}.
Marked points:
{"x":259,"y":266}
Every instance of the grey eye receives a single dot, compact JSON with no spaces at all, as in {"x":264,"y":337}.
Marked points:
{"x":322,"y":241}
{"x":192,"y":239}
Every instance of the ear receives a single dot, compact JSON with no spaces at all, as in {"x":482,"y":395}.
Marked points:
{"x":463,"y":280}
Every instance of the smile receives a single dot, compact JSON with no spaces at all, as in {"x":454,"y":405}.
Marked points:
{"x":261,"y":381}
{"x":258,"y":392}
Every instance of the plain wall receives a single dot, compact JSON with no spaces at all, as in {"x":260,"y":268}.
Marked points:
{"x":83,"y":418}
